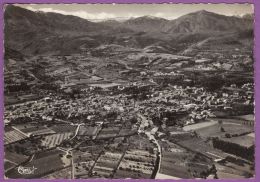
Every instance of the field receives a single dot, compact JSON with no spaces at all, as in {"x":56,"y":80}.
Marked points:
{"x":44,"y":163}
{"x":177,"y":162}
{"x":106,"y":164}
{"x":236,"y":119}
{"x":108,"y":132}
{"x":88,"y":130}
{"x":126,"y":131}
{"x":14,"y":157}
{"x":230,"y":170}
{"x":136,"y":163}
{"x":229,"y":128}
{"x":62,"y":128}
{"x":37,"y":130}
{"x":249,"y":117}
{"x":245,"y":140}
{"x":51,"y":141}
{"x":82,"y":163}
{"x":61,"y":174}
{"x":198,"y":145}
{"x":199,"y":125}
{"x":140,"y":142}
{"x":10,"y":100}
{"x":13,"y":136}
{"x":123,"y":174}
{"x":8,"y":165}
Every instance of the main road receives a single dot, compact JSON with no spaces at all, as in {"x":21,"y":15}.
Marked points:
{"x":150,"y":134}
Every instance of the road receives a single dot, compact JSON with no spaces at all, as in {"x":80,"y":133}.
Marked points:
{"x":150,"y":135}
{"x":63,"y":121}
{"x":77,"y":130}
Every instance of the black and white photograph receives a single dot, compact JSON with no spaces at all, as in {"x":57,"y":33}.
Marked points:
{"x":129,"y":91}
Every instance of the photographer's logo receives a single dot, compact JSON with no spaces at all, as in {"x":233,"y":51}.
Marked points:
{"x":26,"y":170}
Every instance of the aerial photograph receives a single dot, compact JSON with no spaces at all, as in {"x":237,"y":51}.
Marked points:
{"x":129,"y":91}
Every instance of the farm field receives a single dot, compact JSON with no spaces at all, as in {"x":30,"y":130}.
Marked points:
{"x":82,"y":163}
{"x":106,"y":164}
{"x":140,"y":142}
{"x":230,"y":170}
{"x":88,"y":130}
{"x":180,"y":163}
{"x":51,"y":141}
{"x":126,"y":131}
{"x":62,"y":128}
{"x":199,"y":125}
{"x":229,"y":128}
{"x":164,"y":176}
{"x":61,"y":174}
{"x":236,"y":119}
{"x":198,"y":145}
{"x":108,"y":132}
{"x":13,"y":136}
{"x":244,"y":140}
{"x":14,"y":157}
{"x":9,"y":165}
{"x":249,"y":117}
{"x":139,"y":161}
{"x":45,"y":163}
{"x":122,"y":174}
{"x":37,"y":130}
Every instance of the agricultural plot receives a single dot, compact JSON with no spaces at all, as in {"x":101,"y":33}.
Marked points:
{"x":63,"y":128}
{"x":230,"y":170}
{"x":123,"y":174}
{"x":42,"y":164}
{"x":249,"y":117}
{"x":37,"y":130}
{"x":198,"y":145}
{"x":245,"y":140}
{"x":136,"y":164}
{"x":106,"y":164}
{"x":14,"y":157}
{"x":108,"y":132}
{"x":126,"y":132}
{"x":61,"y":174}
{"x":199,"y":125}
{"x":236,"y":119}
{"x":51,"y":141}
{"x":8,"y":165}
{"x":88,"y":130}
{"x":82,"y":163}
{"x":140,"y":142}
{"x":178,"y":162}
{"x":221,"y":130}
{"x":13,"y":136}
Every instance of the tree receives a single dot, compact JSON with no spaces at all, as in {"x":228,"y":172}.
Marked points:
{"x":228,"y":135}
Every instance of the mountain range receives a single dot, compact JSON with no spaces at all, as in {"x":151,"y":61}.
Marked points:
{"x":34,"y":33}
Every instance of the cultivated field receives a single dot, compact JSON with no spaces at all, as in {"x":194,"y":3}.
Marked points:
{"x":37,"y":130}
{"x":63,"y":128}
{"x":14,"y":136}
{"x":88,"y":130}
{"x":44,"y":163}
{"x":51,"y":141}
{"x":106,"y":164}
{"x":61,"y":174}
{"x":228,"y":128}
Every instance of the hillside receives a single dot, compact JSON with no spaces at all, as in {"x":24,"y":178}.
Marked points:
{"x":34,"y":33}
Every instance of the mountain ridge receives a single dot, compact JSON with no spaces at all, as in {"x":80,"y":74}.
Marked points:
{"x":39,"y":33}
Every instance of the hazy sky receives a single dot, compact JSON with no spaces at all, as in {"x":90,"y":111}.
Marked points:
{"x":97,"y":12}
